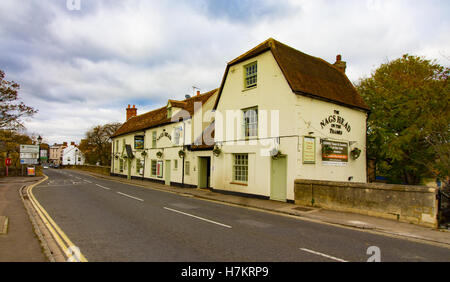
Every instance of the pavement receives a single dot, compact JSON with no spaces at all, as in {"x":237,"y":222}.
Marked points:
{"x":20,"y":243}
{"x":351,"y":220}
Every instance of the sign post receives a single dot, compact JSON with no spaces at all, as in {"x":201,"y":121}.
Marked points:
{"x":7,"y":164}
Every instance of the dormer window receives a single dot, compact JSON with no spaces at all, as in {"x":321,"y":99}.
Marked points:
{"x":169,"y":112}
{"x":251,"y":75}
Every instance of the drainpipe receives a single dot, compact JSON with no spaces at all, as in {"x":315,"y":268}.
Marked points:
{"x":184,"y":141}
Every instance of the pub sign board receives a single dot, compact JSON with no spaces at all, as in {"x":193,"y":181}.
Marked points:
{"x":309,"y":150}
{"x":337,"y":124}
{"x":139,"y":142}
{"x":339,"y":154}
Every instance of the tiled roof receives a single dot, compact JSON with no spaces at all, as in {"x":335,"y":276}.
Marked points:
{"x":306,"y":75}
{"x":158,"y":117}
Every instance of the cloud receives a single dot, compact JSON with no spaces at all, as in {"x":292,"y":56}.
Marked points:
{"x":81,"y":68}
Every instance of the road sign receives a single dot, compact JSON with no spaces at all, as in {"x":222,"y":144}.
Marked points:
{"x":29,"y":154}
{"x":29,"y":161}
{"x":29,"y":149}
{"x":31,"y":171}
{"x":7,"y":161}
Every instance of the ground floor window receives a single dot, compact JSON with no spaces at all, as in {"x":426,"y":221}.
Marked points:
{"x":138,"y":166}
{"x":121,"y":165}
{"x":153,"y":167}
{"x":187,"y":168}
{"x":240,"y":168}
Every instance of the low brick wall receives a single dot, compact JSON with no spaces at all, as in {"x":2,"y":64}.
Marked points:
{"x":91,"y":168}
{"x":413,"y":204}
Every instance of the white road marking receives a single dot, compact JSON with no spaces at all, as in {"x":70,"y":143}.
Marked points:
{"x":126,"y":195}
{"x":323,"y":255}
{"x":87,"y":181}
{"x":201,"y":218}
{"x":103,"y":187}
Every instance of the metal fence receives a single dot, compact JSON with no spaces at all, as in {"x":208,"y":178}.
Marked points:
{"x":444,"y":208}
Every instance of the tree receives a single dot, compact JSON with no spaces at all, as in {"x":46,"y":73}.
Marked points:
{"x":11,"y":110}
{"x":408,"y":128}
{"x":96,"y":146}
{"x":10,"y":142}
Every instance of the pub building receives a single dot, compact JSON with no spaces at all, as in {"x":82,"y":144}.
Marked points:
{"x":278,"y":115}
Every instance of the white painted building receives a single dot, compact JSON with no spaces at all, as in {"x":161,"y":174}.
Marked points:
{"x":279,"y":115}
{"x":71,"y":155}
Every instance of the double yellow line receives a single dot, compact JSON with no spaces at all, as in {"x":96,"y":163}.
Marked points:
{"x":69,"y":249}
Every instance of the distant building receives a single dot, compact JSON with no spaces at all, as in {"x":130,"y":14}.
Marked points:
{"x":56,"y":153}
{"x":72,"y":155}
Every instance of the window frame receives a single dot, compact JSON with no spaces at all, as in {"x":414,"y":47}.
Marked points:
{"x":250,"y":75}
{"x":246,"y":126}
{"x":187,"y":168}
{"x":243,"y":165}
{"x":154,"y":133}
{"x":153,"y":162}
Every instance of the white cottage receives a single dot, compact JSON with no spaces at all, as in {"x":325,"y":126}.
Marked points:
{"x":160,"y":145}
{"x":71,"y":155}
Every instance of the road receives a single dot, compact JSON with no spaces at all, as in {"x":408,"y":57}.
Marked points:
{"x":112,"y":221}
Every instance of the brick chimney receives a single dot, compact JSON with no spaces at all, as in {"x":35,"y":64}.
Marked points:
{"x":340,"y":65}
{"x":65,"y":144}
{"x":131,"y":112}
{"x":72,"y":143}
{"x":198,"y":92}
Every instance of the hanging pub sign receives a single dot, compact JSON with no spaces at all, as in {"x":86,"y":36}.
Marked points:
{"x":139,"y":142}
{"x":309,"y":150}
{"x":337,"y":123}
{"x":129,"y":151}
{"x":334,"y":153}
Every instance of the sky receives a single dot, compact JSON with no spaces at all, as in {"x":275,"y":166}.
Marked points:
{"x":81,"y":62}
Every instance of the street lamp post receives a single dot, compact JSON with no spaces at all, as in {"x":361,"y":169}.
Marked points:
{"x":39,"y":140}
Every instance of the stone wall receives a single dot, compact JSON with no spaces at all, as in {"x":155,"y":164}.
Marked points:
{"x":413,"y":204}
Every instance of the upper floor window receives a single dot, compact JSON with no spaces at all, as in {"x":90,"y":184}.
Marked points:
{"x":250,"y":122}
{"x":251,"y":74}
{"x":169,"y":112}
{"x":154,"y":139}
{"x":176,"y":135}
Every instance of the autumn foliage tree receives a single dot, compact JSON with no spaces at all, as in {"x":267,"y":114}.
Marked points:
{"x":408,"y":128}
{"x":11,"y":109}
{"x":96,"y":146}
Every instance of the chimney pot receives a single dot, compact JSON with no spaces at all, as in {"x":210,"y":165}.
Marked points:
{"x":198,"y":92}
{"x":131,"y":112}
{"x":340,"y":65}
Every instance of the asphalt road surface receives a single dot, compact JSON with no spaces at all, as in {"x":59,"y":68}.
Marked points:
{"x":111,"y":221}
